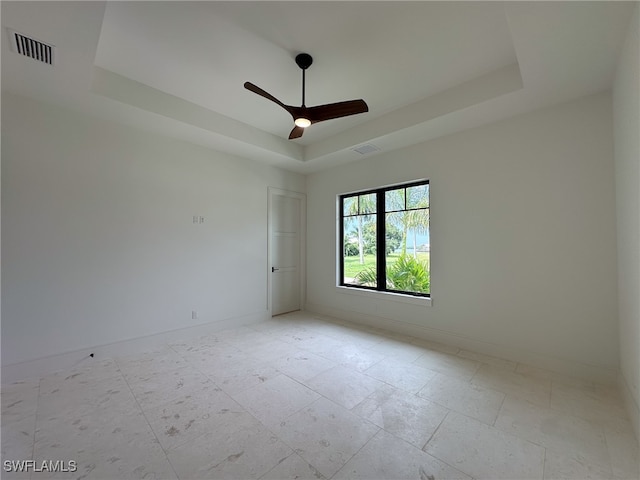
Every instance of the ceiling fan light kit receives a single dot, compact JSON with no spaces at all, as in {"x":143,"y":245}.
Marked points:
{"x":304,"y":116}
{"x":302,"y":122}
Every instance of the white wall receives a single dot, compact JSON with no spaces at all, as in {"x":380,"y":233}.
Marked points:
{"x":626,"y":121}
{"x":522,"y":238}
{"x":98,"y":242}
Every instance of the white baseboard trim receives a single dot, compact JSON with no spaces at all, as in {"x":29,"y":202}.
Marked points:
{"x":555,"y":364}
{"x":80,"y":358}
{"x":632,"y":407}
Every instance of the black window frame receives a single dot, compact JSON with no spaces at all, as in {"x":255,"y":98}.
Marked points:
{"x":381,"y":271}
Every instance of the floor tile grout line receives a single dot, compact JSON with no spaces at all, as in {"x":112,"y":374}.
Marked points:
{"x":475,"y":373}
{"x":147,"y":420}
{"x":284,"y":459}
{"x":380,"y":429}
{"x":350,"y":410}
{"x":608,"y":451}
{"x":35,"y":424}
{"x":435,"y":456}
{"x":435,"y":431}
{"x":284,"y":441}
{"x":416,"y":447}
{"x":504,"y":398}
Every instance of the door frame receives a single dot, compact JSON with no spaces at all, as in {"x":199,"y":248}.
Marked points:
{"x":302,"y":225}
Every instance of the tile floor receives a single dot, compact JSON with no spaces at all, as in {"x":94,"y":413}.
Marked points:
{"x":304,"y":396}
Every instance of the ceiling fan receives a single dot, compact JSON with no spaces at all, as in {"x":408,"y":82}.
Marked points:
{"x":304,"y":116}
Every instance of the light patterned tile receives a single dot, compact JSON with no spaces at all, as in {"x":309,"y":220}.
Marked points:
{"x":602,"y":405}
{"x":89,"y":375}
{"x":386,"y":456}
{"x":17,"y":445}
{"x":241,"y":337}
{"x":405,"y":376}
{"x":403,"y":351}
{"x":214,"y":360}
{"x":19,"y":400}
{"x":110,"y":394}
{"x":202,"y":346}
{"x":276,"y":399}
{"x":553,"y":430}
{"x":103,"y":446}
{"x":294,"y":467}
{"x":159,"y":388}
{"x":408,"y":417}
{"x":189,"y":417}
{"x":274,"y":326}
{"x":244,"y":374}
{"x":302,"y":365}
{"x":356,"y":337}
{"x":488,"y":360}
{"x":485,"y":452}
{"x":565,"y":465}
{"x":531,"y":389}
{"x":326,"y":435}
{"x":544,"y":374}
{"x":244,"y":450}
{"x":183,"y":396}
{"x":344,"y":386}
{"x":464,"y":397}
{"x":144,"y":363}
{"x":448,"y":364}
{"x":435,"y":346}
{"x":309,"y":339}
{"x":272,"y":350}
{"x":624,"y":454}
{"x":356,"y":358}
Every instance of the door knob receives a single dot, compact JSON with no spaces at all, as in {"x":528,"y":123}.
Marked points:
{"x":273,"y":269}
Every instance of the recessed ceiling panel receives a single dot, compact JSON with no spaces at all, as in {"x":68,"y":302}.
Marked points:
{"x":425,"y":69}
{"x":389,"y":53}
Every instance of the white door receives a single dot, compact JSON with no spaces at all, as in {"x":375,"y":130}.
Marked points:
{"x":286,"y":222}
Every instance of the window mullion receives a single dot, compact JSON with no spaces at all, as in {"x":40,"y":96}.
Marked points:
{"x":381,"y":264}
{"x":341,"y":246}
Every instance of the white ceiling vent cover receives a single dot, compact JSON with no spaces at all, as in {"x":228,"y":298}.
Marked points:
{"x":32,"y":48}
{"x":366,"y":148}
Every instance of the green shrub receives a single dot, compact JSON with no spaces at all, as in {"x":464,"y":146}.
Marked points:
{"x":367,"y":277}
{"x":350,"y":249}
{"x":407,"y":274}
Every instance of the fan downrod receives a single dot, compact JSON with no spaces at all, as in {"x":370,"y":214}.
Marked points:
{"x":304,"y":60}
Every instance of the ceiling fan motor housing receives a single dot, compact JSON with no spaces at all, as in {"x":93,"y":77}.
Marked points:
{"x":304,"y":60}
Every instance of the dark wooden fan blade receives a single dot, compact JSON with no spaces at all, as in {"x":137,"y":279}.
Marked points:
{"x":336,"y":110}
{"x":255,"y":89}
{"x":296,"y":132}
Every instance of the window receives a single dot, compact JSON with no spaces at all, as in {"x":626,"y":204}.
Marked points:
{"x":384,"y":235}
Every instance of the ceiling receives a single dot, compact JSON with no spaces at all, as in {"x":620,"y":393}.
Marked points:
{"x":425,"y":69}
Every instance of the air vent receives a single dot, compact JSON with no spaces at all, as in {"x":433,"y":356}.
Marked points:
{"x":32,"y":48}
{"x":365,"y":149}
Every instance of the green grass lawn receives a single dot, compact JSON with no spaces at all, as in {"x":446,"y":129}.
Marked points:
{"x":352,"y":264}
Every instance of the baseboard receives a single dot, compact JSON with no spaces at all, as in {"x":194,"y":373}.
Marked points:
{"x":555,"y":364}
{"x":79,"y":358}
{"x":633,"y":410}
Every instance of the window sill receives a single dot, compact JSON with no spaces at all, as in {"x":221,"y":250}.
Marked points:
{"x":394,"y":297}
